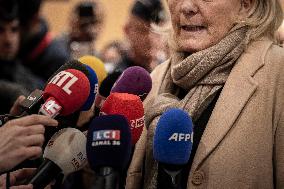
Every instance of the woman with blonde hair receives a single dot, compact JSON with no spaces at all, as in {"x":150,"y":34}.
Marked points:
{"x":227,"y":73}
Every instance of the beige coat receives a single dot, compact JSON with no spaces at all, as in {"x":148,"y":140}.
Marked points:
{"x":243,"y":143}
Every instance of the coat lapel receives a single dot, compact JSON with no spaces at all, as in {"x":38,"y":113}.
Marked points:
{"x":237,"y":91}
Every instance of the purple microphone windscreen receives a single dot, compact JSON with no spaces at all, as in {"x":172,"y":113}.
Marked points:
{"x":134,"y":80}
{"x":109,"y":142}
{"x":173,"y":137}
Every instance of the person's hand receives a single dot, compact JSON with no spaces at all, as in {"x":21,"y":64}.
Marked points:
{"x":16,"y":110}
{"x":21,"y":139}
{"x":16,"y":178}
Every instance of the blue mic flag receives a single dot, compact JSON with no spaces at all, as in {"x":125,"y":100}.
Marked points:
{"x":93,"y":88}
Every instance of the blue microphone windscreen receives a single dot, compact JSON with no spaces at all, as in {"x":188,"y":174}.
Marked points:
{"x":173,"y":137}
{"x":109,"y":142}
{"x":93,"y":89}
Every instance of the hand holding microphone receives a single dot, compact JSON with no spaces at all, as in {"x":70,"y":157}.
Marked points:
{"x":21,"y":139}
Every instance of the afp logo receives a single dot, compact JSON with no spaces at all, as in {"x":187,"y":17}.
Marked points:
{"x":178,"y":137}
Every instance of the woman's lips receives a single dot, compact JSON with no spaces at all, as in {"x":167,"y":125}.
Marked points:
{"x":193,"y":28}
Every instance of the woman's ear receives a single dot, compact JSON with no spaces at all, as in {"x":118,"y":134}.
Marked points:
{"x":246,"y":6}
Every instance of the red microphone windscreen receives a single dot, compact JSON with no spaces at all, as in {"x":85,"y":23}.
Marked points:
{"x":70,"y":88}
{"x":131,"y":107}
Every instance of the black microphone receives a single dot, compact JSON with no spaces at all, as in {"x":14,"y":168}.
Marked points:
{"x":104,"y":90}
{"x":108,"y":149}
{"x":172,"y":146}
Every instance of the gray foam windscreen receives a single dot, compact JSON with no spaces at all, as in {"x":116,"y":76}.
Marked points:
{"x":67,"y":149}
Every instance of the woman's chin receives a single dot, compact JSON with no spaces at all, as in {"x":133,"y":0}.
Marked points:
{"x":191,"y":47}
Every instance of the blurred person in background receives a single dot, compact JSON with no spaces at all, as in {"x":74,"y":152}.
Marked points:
{"x":39,"y":51}
{"x":112,"y":54}
{"x":138,"y":31}
{"x":15,"y":79}
{"x":160,"y":49}
{"x":86,"y":23}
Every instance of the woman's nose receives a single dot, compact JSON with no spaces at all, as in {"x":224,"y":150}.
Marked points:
{"x":188,"y":7}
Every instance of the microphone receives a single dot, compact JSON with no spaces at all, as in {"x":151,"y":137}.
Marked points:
{"x":97,"y":65}
{"x":172,"y":146}
{"x":72,"y":119}
{"x":33,"y":102}
{"x":131,"y":107}
{"x":104,"y":90}
{"x":134,"y":80}
{"x":65,"y":93}
{"x":91,"y":75}
{"x":93,"y":89}
{"x":65,"y":153}
{"x":108,"y":149}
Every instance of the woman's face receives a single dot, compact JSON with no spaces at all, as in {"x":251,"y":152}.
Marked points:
{"x":199,"y":24}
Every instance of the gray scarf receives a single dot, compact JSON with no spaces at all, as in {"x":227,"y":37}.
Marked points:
{"x":202,"y":75}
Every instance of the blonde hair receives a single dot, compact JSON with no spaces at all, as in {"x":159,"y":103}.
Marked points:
{"x":264,"y":19}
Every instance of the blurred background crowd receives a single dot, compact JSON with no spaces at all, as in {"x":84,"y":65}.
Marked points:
{"x":37,"y":37}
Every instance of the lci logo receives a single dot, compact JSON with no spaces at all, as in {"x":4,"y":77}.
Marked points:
{"x":106,"y":137}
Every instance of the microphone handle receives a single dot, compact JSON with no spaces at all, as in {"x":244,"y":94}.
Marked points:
{"x":108,"y":178}
{"x":44,"y":174}
{"x":169,"y":176}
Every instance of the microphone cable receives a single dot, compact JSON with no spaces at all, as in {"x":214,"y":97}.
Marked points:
{"x":8,"y":180}
{"x":6,"y":117}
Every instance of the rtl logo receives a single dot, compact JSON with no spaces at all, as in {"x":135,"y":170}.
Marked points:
{"x":66,"y":78}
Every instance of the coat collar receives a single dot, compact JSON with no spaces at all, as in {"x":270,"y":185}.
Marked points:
{"x":238,"y":90}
